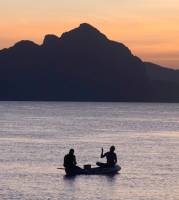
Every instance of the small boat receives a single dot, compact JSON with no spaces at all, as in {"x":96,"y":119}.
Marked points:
{"x":96,"y":171}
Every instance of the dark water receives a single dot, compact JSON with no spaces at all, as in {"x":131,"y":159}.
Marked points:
{"x":34,"y":137}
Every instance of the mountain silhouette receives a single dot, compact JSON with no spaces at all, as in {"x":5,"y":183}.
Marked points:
{"x":81,"y":65}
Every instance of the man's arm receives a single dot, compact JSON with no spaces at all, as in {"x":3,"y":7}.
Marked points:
{"x":102,"y":153}
{"x":75,"y":160}
{"x":115,"y":159}
{"x":64,"y":162}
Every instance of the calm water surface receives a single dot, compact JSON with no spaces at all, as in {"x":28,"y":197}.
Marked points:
{"x":34,"y":137}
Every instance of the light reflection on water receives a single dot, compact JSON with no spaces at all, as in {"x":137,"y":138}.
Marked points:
{"x":34,"y":137}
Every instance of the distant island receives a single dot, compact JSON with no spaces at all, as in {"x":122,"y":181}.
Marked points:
{"x":82,"y":65}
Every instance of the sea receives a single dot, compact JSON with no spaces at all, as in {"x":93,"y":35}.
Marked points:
{"x":35,"y":137}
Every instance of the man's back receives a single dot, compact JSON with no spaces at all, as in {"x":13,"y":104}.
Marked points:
{"x":111,"y":158}
{"x":69,"y":160}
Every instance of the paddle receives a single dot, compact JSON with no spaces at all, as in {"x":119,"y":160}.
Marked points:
{"x":61,"y":168}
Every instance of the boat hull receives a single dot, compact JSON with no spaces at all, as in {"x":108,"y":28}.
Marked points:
{"x":97,"y":171}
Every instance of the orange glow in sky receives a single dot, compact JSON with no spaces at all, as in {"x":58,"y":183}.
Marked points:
{"x":150,"y":28}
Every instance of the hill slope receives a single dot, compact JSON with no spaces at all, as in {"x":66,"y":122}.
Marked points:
{"x":82,"y":64}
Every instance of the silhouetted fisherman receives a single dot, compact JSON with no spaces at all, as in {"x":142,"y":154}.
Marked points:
{"x":110,"y":156}
{"x":70,"y":163}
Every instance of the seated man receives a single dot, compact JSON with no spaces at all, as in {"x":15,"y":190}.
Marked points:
{"x":70,"y":163}
{"x":110,"y":156}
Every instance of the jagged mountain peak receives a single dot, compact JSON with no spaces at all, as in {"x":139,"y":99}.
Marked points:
{"x":84,"y":31}
{"x":50,"y":39}
{"x":25,"y":44}
{"x":88,"y":27}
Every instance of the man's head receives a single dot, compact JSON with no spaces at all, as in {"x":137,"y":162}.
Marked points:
{"x":71,"y":152}
{"x":112,"y":148}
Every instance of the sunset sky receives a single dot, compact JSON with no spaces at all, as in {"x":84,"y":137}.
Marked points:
{"x":150,"y":28}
